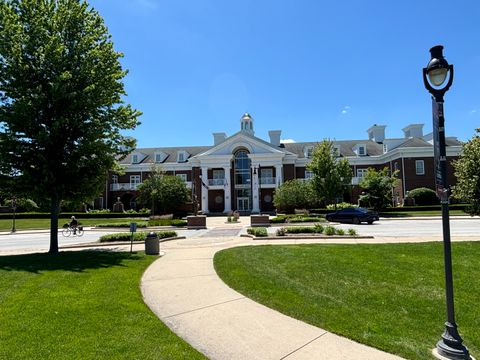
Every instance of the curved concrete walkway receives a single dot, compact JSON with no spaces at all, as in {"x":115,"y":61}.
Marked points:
{"x":184,"y":291}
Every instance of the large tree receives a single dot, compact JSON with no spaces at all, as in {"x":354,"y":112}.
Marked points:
{"x":294,"y":194}
{"x":467,"y":171}
{"x":61,"y":101}
{"x":163,"y":192}
{"x":378,"y":188}
{"x":332,"y":175}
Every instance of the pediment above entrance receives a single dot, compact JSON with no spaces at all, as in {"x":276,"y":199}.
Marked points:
{"x":241,"y":140}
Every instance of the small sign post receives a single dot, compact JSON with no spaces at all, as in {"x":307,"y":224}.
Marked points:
{"x":133,"y":229}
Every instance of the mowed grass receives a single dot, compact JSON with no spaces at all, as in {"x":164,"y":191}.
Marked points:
{"x":81,"y":305}
{"x":388,"y":296}
{"x":37,"y":224}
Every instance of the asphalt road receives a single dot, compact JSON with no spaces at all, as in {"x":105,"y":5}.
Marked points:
{"x":27,"y":242}
{"x":410,"y":228}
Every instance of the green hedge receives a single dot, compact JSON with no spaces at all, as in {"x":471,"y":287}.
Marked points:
{"x":123,"y":225}
{"x":167,"y":222}
{"x":280,"y":219}
{"x":138,"y":236}
{"x":258,"y":231}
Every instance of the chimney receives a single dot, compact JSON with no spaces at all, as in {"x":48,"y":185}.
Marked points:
{"x":275,"y":137}
{"x":376,"y":133}
{"x":218,"y":138}
{"x":413,"y":130}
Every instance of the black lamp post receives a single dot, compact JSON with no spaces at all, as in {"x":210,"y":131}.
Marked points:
{"x":14,"y":208}
{"x":435,"y":75}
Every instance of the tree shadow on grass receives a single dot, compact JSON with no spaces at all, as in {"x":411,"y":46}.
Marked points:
{"x":76,"y":261}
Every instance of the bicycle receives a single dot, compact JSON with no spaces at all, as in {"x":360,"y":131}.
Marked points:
{"x":72,"y":231}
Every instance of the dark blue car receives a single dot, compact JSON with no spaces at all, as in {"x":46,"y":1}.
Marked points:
{"x":353,"y":215}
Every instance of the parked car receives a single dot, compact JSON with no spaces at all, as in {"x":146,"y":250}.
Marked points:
{"x":353,"y":215}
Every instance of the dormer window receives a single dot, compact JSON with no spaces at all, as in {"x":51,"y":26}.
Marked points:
{"x":336,"y":150}
{"x":308,"y":151}
{"x":134,"y":159}
{"x":385,"y":148}
{"x":182,"y":156}
{"x":160,"y":157}
{"x":360,"y":149}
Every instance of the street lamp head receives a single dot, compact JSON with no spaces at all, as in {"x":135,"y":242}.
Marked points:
{"x":436,"y":73}
{"x":437,"y":68}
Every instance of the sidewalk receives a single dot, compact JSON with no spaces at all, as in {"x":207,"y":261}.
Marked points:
{"x":184,"y":291}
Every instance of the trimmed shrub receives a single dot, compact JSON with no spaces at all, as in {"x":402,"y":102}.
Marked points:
{"x":300,"y":230}
{"x":352,"y":232}
{"x":99,"y":211}
{"x":138,"y":236}
{"x":258,"y":231}
{"x":423,"y":196}
{"x":341,"y":206}
{"x":329,"y":230}
{"x":319,"y":228}
{"x":280,"y":219}
{"x":339,"y":231}
{"x":301,"y":219}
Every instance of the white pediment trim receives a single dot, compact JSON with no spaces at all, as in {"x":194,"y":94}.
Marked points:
{"x":238,"y":140}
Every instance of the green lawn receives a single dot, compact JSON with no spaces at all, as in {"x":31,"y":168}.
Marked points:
{"x":29,"y":224}
{"x":388,"y":296}
{"x":81,"y":305}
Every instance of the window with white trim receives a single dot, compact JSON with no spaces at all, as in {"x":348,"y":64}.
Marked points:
{"x":135,"y":159}
{"x":361,"y":172}
{"x":218,"y":174}
{"x":182,"y":176}
{"x":266,"y":173}
{"x":182,"y":156}
{"x":158,"y":157}
{"x":336,"y":150}
{"x":134,"y":181}
{"x":362,"y":150}
{"x":309,"y":151}
{"x":419,"y":167}
{"x":308,"y":174}
{"x":114,"y":179}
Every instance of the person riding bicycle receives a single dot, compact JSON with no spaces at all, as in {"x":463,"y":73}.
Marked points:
{"x":73,"y":224}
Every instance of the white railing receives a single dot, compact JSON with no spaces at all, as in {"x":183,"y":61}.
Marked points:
{"x":123,"y":186}
{"x":214,"y":182}
{"x":268,"y":180}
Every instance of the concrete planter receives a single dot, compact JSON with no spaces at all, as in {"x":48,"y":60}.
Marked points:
{"x":259,"y":220}
{"x":197,"y":222}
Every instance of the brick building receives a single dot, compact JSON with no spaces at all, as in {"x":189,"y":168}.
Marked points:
{"x":242,"y":171}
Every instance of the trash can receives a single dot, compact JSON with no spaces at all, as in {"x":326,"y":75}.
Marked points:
{"x":152,"y":244}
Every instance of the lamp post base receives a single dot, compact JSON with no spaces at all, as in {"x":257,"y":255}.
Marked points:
{"x":450,"y":345}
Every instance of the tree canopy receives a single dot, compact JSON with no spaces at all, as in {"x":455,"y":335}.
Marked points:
{"x":62,"y":107}
{"x":163,"y":192}
{"x":467,"y":171}
{"x":378,"y":186}
{"x":331,"y":175}
{"x":294,"y":194}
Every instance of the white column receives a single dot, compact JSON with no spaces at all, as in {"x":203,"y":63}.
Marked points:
{"x":278,"y":175}
{"x":255,"y":202}
{"x":227,"y":190}
{"x":204,"y":190}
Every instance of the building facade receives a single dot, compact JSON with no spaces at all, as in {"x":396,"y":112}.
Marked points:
{"x":241,"y":171}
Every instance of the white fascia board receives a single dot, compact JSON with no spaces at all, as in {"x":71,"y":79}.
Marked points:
{"x":242,"y":140}
{"x":147,"y":167}
{"x":214,"y":161}
{"x":266,"y":159}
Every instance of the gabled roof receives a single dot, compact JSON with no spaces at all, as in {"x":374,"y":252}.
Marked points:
{"x":170,"y":151}
{"x":346,"y":147}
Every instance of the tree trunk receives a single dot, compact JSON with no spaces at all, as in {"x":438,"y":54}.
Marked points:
{"x":55,"y":209}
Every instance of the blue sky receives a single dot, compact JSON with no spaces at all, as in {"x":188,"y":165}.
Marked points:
{"x":313,"y":69}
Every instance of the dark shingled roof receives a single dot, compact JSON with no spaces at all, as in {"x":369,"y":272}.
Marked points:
{"x":346,"y":147}
{"x":170,"y":151}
